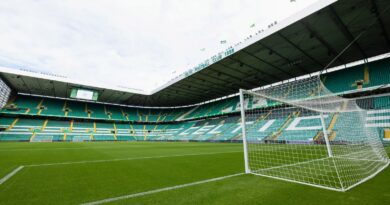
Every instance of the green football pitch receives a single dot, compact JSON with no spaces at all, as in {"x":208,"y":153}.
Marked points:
{"x":155,"y":173}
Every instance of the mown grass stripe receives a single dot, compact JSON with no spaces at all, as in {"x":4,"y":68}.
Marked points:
{"x":161,"y":190}
{"x":126,"y":159}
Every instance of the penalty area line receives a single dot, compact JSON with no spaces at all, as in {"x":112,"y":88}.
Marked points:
{"x":161,"y":190}
{"x":8,"y":176}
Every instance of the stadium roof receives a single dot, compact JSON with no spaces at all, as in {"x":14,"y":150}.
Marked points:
{"x":304,"y":43}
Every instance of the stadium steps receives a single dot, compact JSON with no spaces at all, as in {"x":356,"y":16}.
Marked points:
{"x":386,"y":134}
{"x":164,"y":117}
{"x":366,"y":79}
{"x":155,"y":128}
{"x":333,"y":122}
{"x":87,"y":111}
{"x":6,"y":122}
{"x":175,"y":116}
{"x":257,"y":121}
{"x":65,"y":109}
{"x":290,"y":117}
{"x":124,"y":114}
{"x":208,"y":112}
{"x":13,"y":124}
{"x":33,"y":137}
{"x":320,"y":134}
{"x":115,"y":131}
{"x":39,"y":107}
{"x":139,"y":116}
{"x":158,"y":118}
{"x":132,"y":130}
{"x":187,"y":113}
{"x":44,"y":125}
{"x":71,"y":125}
{"x":239,"y":135}
{"x":332,"y":135}
{"x":144,"y":131}
{"x":105,"y":111}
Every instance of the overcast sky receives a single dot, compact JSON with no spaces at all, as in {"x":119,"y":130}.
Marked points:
{"x":133,"y":43}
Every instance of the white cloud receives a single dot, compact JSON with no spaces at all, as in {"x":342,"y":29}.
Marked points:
{"x":131,"y":43}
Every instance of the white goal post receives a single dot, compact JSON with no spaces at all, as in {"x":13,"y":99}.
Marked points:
{"x":301,"y":132}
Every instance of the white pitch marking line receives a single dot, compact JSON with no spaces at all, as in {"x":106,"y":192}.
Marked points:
{"x":8,"y":176}
{"x":125,"y":159}
{"x":71,"y":148}
{"x":161,"y":190}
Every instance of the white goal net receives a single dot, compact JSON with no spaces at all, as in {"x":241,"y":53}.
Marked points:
{"x":301,"y":132}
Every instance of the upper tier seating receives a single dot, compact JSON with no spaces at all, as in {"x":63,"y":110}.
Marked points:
{"x":53,"y":107}
{"x":76,"y":109}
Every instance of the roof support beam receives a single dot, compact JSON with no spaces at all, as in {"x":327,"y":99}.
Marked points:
{"x":322,"y":41}
{"x":54,"y":89}
{"x":337,"y":20}
{"x":112,"y":93}
{"x":178,"y":90}
{"x":199,"y":88}
{"x":268,"y":63}
{"x":129,"y":98}
{"x":303,"y":70}
{"x":203,"y":77}
{"x":119,"y":97}
{"x":381,"y":24}
{"x":210,"y":76}
{"x":256,"y":69}
{"x":299,"y":49}
{"x":39,"y":85}
{"x":226,"y":82}
{"x":185,"y":95}
{"x":238,"y":80}
{"x":236,"y":70}
{"x":216,"y":85}
{"x":66,"y":91}
{"x":24,"y":83}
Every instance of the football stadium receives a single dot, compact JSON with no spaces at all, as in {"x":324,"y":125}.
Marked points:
{"x":298,"y":112}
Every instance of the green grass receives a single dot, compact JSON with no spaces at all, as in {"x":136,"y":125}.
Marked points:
{"x":84,"y":182}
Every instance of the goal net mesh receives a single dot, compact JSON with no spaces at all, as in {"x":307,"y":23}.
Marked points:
{"x":302,"y":132}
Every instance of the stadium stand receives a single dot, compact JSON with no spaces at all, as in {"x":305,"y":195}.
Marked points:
{"x":70,"y":120}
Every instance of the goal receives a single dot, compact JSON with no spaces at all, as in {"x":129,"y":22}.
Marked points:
{"x":301,"y":132}
{"x":42,"y":138}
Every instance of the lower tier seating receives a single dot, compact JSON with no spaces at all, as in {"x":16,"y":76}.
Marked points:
{"x":287,"y":125}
